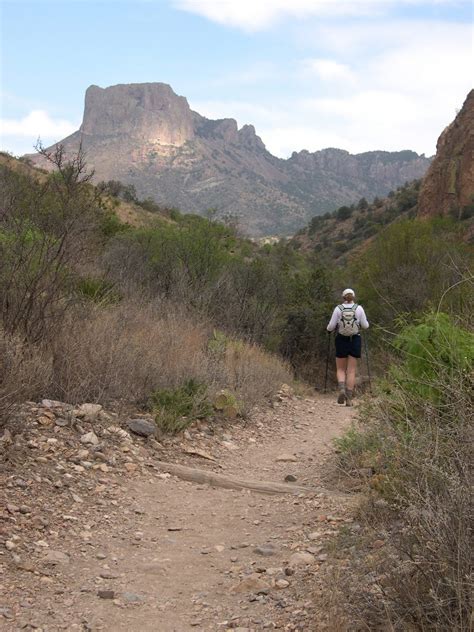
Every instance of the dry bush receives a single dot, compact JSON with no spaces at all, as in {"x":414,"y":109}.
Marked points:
{"x":253,"y":374}
{"x":128,"y":351}
{"x":418,"y":440}
{"x":25,"y":373}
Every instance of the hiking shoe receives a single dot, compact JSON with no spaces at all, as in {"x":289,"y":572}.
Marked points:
{"x":349,"y":401}
{"x":341,"y":398}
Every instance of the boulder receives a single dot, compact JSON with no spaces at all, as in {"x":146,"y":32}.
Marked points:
{"x":88,"y":412}
{"x":141,"y":427}
{"x":252,"y":584}
{"x":90,"y":437}
{"x":301,"y":559}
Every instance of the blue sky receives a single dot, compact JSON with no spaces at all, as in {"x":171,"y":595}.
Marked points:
{"x":309,"y":74}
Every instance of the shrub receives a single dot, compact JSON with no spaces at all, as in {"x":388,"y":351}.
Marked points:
{"x":25,"y":373}
{"x":128,"y":351}
{"x":409,"y":268}
{"x":176,"y":408}
{"x":420,"y":433}
{"x":47,"y":230}
{"x":125,"y":352}
{"x":343,"y":213}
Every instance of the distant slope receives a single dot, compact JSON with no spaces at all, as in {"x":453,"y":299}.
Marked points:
{"x":127,"y":212}
{"x":346,"y":231}
{"x":146,"y":135}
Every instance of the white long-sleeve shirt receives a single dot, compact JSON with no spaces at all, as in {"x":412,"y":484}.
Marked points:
{"x":360,"y":316}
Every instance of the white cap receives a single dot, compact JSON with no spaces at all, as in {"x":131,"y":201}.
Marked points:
{"x":348,"y":291}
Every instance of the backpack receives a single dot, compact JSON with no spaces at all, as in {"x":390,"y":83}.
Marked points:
{"x":348,"y":325}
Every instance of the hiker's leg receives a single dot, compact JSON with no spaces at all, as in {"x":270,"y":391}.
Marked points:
{"x":351,"y":373}
{"x":350,"y":379}
{"x":341,"y":367}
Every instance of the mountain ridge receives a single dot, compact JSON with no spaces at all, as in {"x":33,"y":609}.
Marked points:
{"x":148,"y":136}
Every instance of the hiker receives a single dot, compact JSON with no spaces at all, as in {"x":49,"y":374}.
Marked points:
{"x":348,"y":319}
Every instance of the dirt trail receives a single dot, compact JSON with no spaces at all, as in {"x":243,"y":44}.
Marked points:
{"x":174,"y":553}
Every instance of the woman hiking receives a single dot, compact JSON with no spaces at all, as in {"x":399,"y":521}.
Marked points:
{"x":348,"y":319}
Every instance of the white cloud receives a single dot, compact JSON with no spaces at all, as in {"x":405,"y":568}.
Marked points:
{"x":37,"y":122}
{"x":400,"y":94}
{"x":254,"y":15}
{"x":328,"y":70}
{"x":20,"y":135}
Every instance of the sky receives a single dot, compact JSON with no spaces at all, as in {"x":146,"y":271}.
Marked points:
{"x":360,"y":75}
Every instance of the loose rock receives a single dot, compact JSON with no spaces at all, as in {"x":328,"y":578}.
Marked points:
{"x":300,"y":559}
{"x":141,"y":427}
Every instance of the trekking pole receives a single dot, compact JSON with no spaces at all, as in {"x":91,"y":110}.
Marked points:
{"x":366,"y":346}
{"x":327,"y":362}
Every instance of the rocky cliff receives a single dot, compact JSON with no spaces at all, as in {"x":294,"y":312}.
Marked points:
{"x":146,"y":135}
{"x":449,"y":184}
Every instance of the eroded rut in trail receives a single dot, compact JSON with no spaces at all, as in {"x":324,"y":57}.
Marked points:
{"x":164,"y":554}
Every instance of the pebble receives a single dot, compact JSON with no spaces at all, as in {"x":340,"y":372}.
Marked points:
{"x":90,"y":437}
{"x":266,"y":550}
{"x":109,"y":575}
{"x":129,"y":597}
{"x":286,"y":458}
{"x":300,"y":559}
{"x":106,"y":594}
{"x":282,"y":583}
{"x":290,"y":478}
{"x":252,"y":584}
{"x":53,"y":558}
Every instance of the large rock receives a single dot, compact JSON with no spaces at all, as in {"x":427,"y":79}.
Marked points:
{"x":88,"y":412}
{"x":300,"y":559}
{"x":53,"y":558}
{"x":141,"y":427}
{"x":145,"y":112}
{"x":252,"y":584}
{"x":448,"y":187}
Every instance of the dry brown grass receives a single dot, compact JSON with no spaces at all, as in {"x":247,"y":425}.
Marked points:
{"x":128,"y":351}
{"x":252,"y":374}
{"x":25,"y":372}
{"x":422,"y":579}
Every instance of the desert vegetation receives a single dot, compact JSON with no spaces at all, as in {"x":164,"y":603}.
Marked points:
{"x":186,"y":319}
{"x":416,"y":439}
{"x":96,"y":310}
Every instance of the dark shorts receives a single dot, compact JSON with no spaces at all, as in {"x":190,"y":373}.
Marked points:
{"x":348,"y":346}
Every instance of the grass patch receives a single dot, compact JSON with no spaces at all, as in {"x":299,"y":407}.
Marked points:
{"x":175,"y":409}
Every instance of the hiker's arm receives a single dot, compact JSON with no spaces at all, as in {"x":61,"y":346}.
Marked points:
{"x":362,"y":318}
{"x":334,"y":319}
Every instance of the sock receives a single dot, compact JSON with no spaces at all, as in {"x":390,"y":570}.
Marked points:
{"x":348,"y":392}
{"x":341,"y":386}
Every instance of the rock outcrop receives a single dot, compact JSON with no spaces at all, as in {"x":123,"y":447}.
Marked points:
{"x":145,"y":112}
{"x":146,"y":135}
{"x":448,"y":187}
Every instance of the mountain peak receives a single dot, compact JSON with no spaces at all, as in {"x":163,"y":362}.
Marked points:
{"x":149,"y":112}
{"x":146,"y":135}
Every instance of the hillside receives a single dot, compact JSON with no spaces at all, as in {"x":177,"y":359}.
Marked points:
{"x":347,"y":230}
{"x":127,"y":211}
{"x":147,"y":136}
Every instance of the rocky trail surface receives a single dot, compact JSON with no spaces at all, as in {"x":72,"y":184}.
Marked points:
{"x":96,"y":534}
